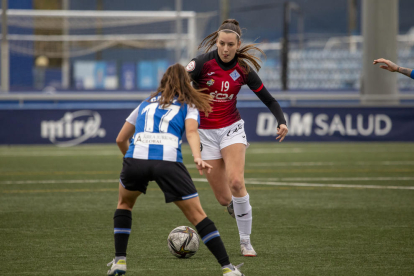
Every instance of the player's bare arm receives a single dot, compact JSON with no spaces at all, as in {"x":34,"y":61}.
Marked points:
{"x":392,"y":67}
{"x":123,"y":137}
{"x":405,"y":71}
{"x":193,"y":139}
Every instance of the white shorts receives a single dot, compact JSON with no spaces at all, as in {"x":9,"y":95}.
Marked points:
{"x":214,"y":140}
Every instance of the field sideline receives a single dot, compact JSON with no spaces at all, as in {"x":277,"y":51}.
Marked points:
{"x":318,"y":209}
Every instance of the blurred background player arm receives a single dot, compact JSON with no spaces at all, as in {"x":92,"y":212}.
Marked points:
{"x":124,"y":135}
{"x":191,"y":131}
{"x":392,"y":67}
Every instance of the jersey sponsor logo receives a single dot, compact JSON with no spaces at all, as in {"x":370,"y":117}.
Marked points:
{"x":191,"y":66}
{"x":210,"y":82}
{"x":221,"y":96}
{"x":211,"y":73}
{"x":73,"y":129}
{"x":234,"y":75}
{"x":231,"y":131}
{"x":322,"y":124}
{"x":165,"y":139}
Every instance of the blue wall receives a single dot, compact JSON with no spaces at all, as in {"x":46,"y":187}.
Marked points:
{"x":73,"y":126}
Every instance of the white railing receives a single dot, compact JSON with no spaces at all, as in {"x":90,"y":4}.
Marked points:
{"x":292,"y":97}
{"x":328,"y":44}
{"x":353,"y":40}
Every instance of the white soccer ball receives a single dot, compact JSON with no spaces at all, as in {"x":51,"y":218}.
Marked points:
{"x":183,"y":242}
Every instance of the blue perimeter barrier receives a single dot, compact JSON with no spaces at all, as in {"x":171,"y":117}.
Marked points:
{"x":68,"y":127}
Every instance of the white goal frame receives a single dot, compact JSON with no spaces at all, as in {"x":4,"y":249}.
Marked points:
{"x":143,"y":16}
{"x":177,"y":40}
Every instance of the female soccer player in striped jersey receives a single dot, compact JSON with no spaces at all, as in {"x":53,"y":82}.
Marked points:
{"x":156,"y":127}
{"x":223,"y":72}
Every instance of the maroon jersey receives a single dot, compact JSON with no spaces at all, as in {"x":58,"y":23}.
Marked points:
{"x":223,"y":81}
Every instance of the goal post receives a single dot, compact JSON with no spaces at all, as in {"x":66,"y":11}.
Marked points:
{"x":81,"y":26}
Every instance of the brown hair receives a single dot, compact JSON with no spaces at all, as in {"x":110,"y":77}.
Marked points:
{"x":176,"y":82}
{"x":243,"y":55}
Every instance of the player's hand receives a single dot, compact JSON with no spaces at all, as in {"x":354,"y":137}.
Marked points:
{"x":202,"y":165}
{"x":282,"y":130}
{"x":390,"y":66}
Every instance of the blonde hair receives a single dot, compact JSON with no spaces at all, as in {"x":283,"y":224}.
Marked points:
{"x":243,"y":55}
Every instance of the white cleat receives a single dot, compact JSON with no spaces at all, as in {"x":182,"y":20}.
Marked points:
{"x":235,"y":272}
{"x":247,"y":249}
{"x":118,"y":268}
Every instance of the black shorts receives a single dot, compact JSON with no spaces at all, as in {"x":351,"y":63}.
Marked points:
{"x":172,"y":177}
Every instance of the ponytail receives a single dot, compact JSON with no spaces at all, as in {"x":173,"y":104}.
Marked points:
{"x":244,"y":57}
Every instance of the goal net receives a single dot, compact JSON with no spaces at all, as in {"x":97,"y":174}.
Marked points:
{"x":69,"y":36}
{"x":61,"y":33}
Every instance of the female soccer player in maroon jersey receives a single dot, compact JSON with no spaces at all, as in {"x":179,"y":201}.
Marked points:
{"x":223,"y":141}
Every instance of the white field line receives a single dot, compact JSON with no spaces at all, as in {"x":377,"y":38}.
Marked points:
{"x":324,"y":150}
{"x":95,"y":152}
{"x":335,"y":179}
{"x":305,"y":164}
{"x":280,"y":164}
{"x":397,"y":162}
{"x":311,"y":164}
{"x":332,"y":185}
{"x":59,"y":181}
{"x":248,"y":181}
{"x":60,"y":153}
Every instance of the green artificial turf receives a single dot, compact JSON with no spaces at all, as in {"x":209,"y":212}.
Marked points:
{"x":318,"y":209}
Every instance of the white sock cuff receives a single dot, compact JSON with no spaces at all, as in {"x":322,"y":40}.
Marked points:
{"x":241,"y":199}
{"x":245,"y":237}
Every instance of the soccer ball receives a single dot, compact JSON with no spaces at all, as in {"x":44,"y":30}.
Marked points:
{"x":183,"y":242}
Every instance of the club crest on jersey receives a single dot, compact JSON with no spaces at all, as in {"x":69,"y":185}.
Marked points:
{"x":234,"y":75}
{"x":210,"y":82}
{"x":191,"y":66}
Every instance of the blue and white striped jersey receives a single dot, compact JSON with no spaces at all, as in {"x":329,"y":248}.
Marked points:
{"x":158,"y":131}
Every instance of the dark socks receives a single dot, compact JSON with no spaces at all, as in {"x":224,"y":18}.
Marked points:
{"x":122,"y":229}
{"x":211,"y":238}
